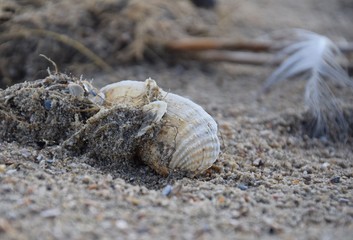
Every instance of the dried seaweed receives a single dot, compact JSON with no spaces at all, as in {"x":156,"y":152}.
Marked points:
{"x":44,"y":112}
{"x":90,"y":34}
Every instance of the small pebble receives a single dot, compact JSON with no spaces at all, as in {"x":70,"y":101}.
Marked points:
{"x":307,"y":177}
{"x":106,"y":224}
{"x":325,"y":165}
{"x":11,"y":171}
{"x":25,"y":153}
{"x":50,"y":213}
{"x":335,"y":180}
{"x":50,"y":161}
{"x":343,"y":200}
{"x":134,"y":201}
{"x":2,"y":168}
{"x":258,"y":162}
{"x":243,"y":187}
{"x":40,"y":157}
{"x":167,"y":190}
{"x":47,"y":104}
{"x":42,"y":164}
{"x":121,"y":224}
{"x":86,"y":179}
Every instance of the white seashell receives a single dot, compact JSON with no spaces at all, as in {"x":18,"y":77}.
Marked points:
{"x":84,"y":88}
{"x":188,"y":138}
{"x":131,"y":93}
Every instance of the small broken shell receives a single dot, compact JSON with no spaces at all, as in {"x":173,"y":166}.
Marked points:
{"x":188,"y":138}
{"x":75,"y":89}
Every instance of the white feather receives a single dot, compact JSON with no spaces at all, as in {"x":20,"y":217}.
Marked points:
{"x":318,"y":56}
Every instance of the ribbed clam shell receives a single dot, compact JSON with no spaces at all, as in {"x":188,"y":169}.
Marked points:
{"x":197,"y":144}
{"x":188,"y":138}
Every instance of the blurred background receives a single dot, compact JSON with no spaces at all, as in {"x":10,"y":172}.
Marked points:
{"x":96,"y":37}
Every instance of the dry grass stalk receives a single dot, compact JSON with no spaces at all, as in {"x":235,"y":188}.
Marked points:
{"x":202,"y":44}
{"x":259,"y":59}
{"x":25,"y":33}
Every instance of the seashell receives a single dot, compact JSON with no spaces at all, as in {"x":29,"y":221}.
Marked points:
{"x":75,"y":89}
{"x":187,"y":139}
{"x":83,"y":88}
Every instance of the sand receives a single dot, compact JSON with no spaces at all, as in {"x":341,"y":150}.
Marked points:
{"x":270,"y":181}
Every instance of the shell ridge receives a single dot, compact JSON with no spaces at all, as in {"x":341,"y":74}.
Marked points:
{"x":189,"y":147}
{"x":193,"y":152}
{"x":199,"y":134}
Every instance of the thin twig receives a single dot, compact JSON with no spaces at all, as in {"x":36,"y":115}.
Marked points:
{"x":236,"y":57}
{"x":60,"y":38}
{"x":201,"y":44}
{"x":257,"y":59}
